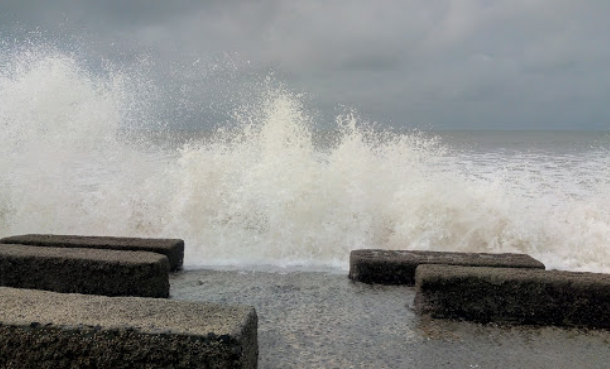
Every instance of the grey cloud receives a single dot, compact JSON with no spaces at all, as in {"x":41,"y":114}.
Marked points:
{"x":449,"y":64}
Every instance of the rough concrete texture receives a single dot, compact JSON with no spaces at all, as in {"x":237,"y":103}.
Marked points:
{"x":40,"y":329}
{"x":398,"y":266}
{"x":172,"y":248}
{"x":324,"y":320}
{"x":517,"y":296}
{"x":87,"y":271}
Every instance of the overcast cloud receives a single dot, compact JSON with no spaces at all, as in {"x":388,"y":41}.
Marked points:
{"x":444,"y":64}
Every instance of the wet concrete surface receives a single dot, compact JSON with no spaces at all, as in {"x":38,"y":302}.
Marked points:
{"x":41,"y":329}
{"x":324,"y":320}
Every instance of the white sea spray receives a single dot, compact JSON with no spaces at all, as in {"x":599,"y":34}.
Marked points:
{"x":76,"y":159}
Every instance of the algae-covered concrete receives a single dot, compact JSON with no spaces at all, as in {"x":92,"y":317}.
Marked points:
{"x":40,"y":329}
{"x":520,"y":296}
{"x":173,"y":249}
{"x":398,"y":266}
{"x":87,"y":271}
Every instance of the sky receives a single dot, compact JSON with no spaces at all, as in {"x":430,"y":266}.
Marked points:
{"x":431,"y":64}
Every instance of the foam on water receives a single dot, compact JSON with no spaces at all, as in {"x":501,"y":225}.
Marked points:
{"x":263,"y":192}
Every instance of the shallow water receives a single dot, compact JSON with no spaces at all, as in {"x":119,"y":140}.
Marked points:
{"x":324,"y":320}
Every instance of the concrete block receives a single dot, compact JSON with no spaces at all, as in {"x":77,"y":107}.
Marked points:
{"x":88,"y":271}
{"x":398,"y":266}
{"x":172,"y":248}
{"x":516,"y":296}
{"x":40,"y":329}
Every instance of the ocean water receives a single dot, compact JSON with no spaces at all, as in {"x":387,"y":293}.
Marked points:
{"x":84,"y":151}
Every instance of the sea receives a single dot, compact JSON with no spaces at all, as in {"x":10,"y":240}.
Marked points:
{"x":273,"y":185}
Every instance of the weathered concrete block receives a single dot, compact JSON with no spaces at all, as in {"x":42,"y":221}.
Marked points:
{"x":172,"y":248}
{"x":40,"y":329}
{"x":89,"y":271}
{"x":518,"y":296}
{"x":398,"y":266}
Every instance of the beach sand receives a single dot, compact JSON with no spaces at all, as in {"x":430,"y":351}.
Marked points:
{"x":324,"y":320}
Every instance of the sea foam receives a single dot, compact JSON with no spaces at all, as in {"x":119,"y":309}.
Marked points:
{"x":83,"y":151}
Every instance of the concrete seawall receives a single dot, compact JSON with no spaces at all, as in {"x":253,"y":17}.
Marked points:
{"x":520,"y":296}
{"x":173,"y":249}
{"x":322,"y":320}
{"x":397,"y":267}
{"x":87,"y":271}
{"x":40,"y":329}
